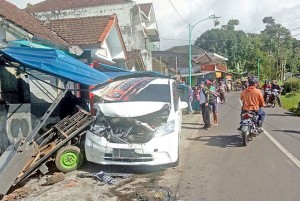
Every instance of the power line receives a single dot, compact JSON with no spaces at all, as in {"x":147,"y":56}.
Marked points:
{"x":177,"y":12}
{"x":195,"y":40}
{"x":290,"y":18}
{"x":174,"y":39}
{"x":294,"y":28}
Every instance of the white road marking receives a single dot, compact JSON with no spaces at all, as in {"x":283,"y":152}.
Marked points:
{"x":283,"y":149}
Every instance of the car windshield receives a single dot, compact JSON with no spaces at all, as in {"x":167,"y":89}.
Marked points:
{"x":154,"y":92}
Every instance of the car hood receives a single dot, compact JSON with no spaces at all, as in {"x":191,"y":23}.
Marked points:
{"x":130,"y":109}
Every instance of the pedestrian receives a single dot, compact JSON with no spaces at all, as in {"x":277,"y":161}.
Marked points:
{"x":204,"y":102}
{"x":222,"y":90}
{"x":190,"y":99}
{"x":214,"y":101}
{"x":196,"y":99}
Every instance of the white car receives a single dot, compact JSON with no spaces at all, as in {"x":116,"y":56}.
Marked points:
{"x":138,"y":123}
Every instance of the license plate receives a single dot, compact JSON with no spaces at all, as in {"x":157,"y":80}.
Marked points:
{"x":245,"y":123}
{"x":125,"y":153}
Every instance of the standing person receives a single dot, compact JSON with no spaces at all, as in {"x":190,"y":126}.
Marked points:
{"x":214,"y":101}
{"x":222,"y":90}
{"x":190,"y":99}
{"x":196,"y":99}
{"x":229,"y":85}
{"x":204,"y":102}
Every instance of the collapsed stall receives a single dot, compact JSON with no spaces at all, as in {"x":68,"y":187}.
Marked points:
{"x":27,"y":155}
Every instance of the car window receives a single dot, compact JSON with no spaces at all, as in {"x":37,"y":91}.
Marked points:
{"x":154,"y":92}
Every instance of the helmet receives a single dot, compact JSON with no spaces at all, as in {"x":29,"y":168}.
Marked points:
{"x":252,"y":81}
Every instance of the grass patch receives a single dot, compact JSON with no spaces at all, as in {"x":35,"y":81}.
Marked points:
{"x":290,"y":102}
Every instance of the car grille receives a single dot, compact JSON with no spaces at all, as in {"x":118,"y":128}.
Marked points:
{"x":127,"y":155}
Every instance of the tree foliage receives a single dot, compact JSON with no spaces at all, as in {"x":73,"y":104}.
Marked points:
{"x":276,"y":51}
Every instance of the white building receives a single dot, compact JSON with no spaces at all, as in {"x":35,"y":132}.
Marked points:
{"x":137,"y":22}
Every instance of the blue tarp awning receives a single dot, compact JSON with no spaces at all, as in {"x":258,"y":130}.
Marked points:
{"x":56,"y":63}
{"x":26,"y":43}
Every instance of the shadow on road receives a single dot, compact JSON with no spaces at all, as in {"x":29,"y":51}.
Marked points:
{"x":281,"y":115}
{"x":188,"y":127}
{"x":192,"y":123}
{"x":288,"y":131}
{"x":95,"y":168}
{"x":222,"y":141}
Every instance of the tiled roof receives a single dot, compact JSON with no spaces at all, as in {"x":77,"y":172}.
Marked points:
{"x":27,"y":22}
{"x":80,"y":31}
{"x":135,"y":57}
{"x":146,"y":7}
{"x":51,"y":5}
{"x":131,"y":55}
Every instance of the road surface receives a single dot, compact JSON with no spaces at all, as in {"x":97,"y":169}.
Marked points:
{"x":217,"y":167}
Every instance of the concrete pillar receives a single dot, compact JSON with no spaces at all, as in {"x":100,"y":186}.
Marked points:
{"x":4,"y":142}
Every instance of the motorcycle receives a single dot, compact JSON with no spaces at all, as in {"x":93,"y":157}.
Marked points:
{"x":267,"y":95}
{"x":273,"y":97}
{"x":249,"y":126}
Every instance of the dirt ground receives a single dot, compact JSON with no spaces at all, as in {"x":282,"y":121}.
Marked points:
{"x":146,"y":183}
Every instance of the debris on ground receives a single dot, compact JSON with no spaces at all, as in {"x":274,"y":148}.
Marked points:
{"x":56,"y":177}
{"x":18,"y":194}
{"x":105,"y":177}
{"x":30,"y":154}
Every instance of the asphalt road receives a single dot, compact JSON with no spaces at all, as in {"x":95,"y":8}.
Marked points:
{"x":217,"y":167}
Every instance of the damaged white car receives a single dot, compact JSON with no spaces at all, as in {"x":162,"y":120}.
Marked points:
{"x":138,"y":123}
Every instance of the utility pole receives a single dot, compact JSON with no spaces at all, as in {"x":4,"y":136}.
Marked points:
{"x":191,"y":27}
{"x":258,"y":68}
{"x":190,"y":55}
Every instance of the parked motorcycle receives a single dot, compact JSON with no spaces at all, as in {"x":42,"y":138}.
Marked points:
{"x":249,"y":126}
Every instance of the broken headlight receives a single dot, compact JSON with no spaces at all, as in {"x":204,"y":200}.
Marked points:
{"x":165,"y":129}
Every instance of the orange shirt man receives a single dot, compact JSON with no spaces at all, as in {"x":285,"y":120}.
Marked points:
{"x":253,"y":100}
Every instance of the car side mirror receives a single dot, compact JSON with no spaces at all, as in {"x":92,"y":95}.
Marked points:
{"x":183,"y":105}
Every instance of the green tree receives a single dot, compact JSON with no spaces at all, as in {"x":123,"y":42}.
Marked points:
{"x":277,"y":50}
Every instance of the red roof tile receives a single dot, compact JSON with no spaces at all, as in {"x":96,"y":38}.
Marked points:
{"x":135,"y":57}
{"x":51,"y":5}
{"x":27,"y":22}
{"x":146,"y":7}
{"x":80,"y":31}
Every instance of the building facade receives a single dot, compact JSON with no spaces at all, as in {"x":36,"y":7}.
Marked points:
{"x":137,"y":22}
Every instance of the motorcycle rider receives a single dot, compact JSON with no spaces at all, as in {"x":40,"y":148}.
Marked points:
{"x":265,"y":87}
{"x":275,"y":86}
{"x":253,"y":100}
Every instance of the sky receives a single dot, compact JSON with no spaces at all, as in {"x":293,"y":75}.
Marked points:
{"x":173,"y":16}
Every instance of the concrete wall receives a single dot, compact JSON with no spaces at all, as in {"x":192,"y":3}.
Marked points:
{"x":4,"y":142}
{"x":18,"y":122}
{"x":23,"y":101}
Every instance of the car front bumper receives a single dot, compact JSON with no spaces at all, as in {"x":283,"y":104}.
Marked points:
{"x":158,"y":151}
